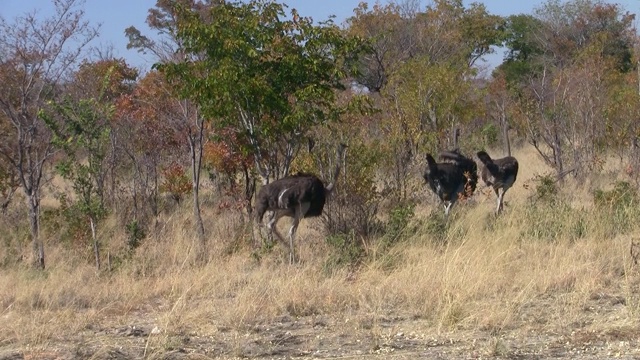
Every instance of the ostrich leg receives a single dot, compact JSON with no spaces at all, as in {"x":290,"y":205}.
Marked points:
{"x":447,"y":208}
{"x":501,"y":200}
{"x":498,"y":200}
{"x":301,"y":210}
{"x":271,"y":225}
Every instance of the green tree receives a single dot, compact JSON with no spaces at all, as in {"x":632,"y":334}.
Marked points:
{"x":502,"y":109}
{"x":453,"y":33}
{"x":422,"y":63}
{"x":565,"y":62}
{"x":269,"y":79}
{"x":82,"y":129}
{"x":445,"y":32}
{"x":182,"y":115}
{"x":105,"y":81}
{"x":520,"y":39}
{"x":390,"y":36}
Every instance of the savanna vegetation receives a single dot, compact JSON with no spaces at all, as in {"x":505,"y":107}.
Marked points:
{"x":126,"y":197}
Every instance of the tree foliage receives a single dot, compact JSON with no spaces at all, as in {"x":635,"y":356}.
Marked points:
{"x":566,"y":64}
{"x":147,"y":133}
{"x":268,"y":78}
{"x":444,"y":33}
{"x":82,"y":127}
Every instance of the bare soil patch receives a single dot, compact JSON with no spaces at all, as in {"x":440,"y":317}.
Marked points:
{"x":604,"y":331}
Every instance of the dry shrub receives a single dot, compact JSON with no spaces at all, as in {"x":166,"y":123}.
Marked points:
{"x":618,"y":207}
{"x":13,"y":238}
{"x":175,"y":181}
{"x":355,"y":204}
{"x":351,"y":216}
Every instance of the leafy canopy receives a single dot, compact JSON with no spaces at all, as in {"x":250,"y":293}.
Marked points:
{"x":268,"y":77}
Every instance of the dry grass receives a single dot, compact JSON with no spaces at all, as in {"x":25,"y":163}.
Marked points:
{"x":484,"y":274}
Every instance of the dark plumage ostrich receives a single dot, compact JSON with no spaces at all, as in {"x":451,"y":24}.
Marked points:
{"x":500,"y":174}
{"x":297,"y":196}
{"x":455,"y":178}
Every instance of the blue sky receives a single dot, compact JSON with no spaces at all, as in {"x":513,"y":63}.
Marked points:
{"x":117,"y":15}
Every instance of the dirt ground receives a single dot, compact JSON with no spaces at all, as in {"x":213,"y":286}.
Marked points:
{"x":605,"y":331}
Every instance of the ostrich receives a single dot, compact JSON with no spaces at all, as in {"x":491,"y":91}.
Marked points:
{"x":456,"y":177}
{"x":500,"y":174}
{"x":297,"y":196}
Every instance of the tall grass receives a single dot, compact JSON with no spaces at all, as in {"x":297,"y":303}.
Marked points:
{"x":542,"y":264}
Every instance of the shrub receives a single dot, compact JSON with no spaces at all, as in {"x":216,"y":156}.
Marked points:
{"x":546,"y":188}
{"x":552,"y":221}
{"x":490,"y":135}
{"x":135,"y":234}
{"x":621,"y":196}
{"x":354,"y":204}
{"x":436,"y":226}
{"x":67,"y":222}
{"x":399,"y":218}
{"x":346,"y":251}
{"x":176,"y":182}
{"x":618,"y":207}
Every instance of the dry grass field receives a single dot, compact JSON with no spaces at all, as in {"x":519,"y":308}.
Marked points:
{"x":546,"y":279}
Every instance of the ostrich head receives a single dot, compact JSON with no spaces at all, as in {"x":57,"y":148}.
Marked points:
{"x":339,"y":157}
{"x":432,"y":167}
{"x":431,"y":174}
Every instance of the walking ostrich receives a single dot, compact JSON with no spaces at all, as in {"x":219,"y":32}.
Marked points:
{"x":297,"y":196}
{"x":455,"y":178}
{"x":500,"y":174}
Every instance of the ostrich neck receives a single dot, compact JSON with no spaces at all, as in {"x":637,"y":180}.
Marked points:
{"x":336,"y":174}
{"x":334,"y":180}
{"x":329,"y":188}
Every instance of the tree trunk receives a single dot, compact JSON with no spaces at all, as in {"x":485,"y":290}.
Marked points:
{"x":505,"y":134}
{"x":112,"y":171}
{"x":557,"y":154}
{"x":634,"y":160}
{"x":198,"y":216}
{"x":96,"y":245}
{"x":455,"y":135}
{"x":34,"y":222}
{"x":249,"y":191}
{"x":195,"y":145}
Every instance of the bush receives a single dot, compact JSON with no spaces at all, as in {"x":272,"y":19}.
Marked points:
{"x":618,"y":207}
{"x":135,"y":234}
{"x":490,"y":135}
{"x":176,"y":182}
{"x":552,"y":221}
{"x":346,"y":251}
{"x":399,"y":218}
{"x":546,"y":188}
{"x":437,"y":226}
{"x":67,"y":222}
{"x":354,"y":204}
{"x":621,"y":196}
